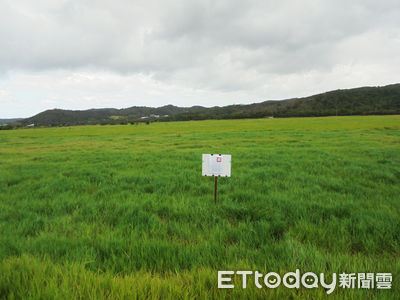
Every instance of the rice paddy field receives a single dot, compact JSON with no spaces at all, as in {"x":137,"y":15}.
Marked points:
{"x":122,"y":212}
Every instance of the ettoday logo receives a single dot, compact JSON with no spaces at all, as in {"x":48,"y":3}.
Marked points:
{"x":309,"y":280}
{"x":272,"y":280}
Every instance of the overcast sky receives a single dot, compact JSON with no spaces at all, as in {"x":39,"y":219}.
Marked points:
{"x":80,"y":54}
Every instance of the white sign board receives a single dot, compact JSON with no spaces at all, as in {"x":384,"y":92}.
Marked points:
{"x":216,"y":165}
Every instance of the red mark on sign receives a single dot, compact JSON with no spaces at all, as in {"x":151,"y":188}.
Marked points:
{"x":219,"y":159}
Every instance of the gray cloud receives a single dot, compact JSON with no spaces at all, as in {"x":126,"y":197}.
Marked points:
{"x":222,"y":46}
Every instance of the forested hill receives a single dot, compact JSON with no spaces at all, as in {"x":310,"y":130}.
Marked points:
{"x":358,"y":101}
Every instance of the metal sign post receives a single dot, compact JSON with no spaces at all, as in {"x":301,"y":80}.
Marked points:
{"x":216,"y":165}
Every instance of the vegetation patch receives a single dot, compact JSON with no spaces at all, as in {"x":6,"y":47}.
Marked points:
{"x":100,"y":212}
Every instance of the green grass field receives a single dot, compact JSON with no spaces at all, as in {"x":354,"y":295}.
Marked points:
{"x":98,"y":212}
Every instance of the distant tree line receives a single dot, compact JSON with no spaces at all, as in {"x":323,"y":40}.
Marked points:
{"x":360,"y":101}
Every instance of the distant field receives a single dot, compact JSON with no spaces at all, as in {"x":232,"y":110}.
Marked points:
{"x":98,"y":212}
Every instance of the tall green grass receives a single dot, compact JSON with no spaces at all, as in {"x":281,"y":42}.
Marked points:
{"x":123,"y":211}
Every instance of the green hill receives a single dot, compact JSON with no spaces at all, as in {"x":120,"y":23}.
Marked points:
{"x":358,"y":101}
